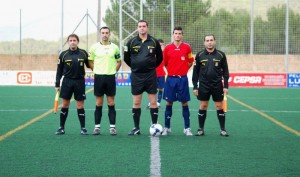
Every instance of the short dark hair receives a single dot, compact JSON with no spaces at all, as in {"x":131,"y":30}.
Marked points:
{"x":104,"y":27}
{"x":160,"y":41}
{"x":140,"y":21}
{"x":73,"y":35}
{"x":209,"y":35}
{"x":179,"y":28}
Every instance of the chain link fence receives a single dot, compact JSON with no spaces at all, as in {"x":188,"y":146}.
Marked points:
{"x":245,"y":29}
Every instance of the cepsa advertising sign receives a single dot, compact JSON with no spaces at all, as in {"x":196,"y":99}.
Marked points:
{"x":257,"y":80}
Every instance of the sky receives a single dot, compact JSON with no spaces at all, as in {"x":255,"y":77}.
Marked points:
{"x":42,"y":19}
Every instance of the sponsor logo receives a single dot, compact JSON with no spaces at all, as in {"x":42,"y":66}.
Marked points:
{"x":24,"y":78}
{"x":294,"y":81}
{"x":246,"y":79}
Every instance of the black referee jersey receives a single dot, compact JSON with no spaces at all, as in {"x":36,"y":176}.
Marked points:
{"x":210,"y":68}
{"x":71,"y":65}
{"x":143,"y":56}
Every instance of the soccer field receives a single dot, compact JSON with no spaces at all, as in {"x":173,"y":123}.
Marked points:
{"x":263,"y":125}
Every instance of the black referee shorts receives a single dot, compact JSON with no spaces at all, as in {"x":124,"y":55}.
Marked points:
{"x":143,"y":82}
{"x":70,"y":86}
{"x":206,"y":90}
{"x":104,"y":84}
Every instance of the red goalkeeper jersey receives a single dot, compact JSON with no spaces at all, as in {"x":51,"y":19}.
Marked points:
{"x":177,"y":59}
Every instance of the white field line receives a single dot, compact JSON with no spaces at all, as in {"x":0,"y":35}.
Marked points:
{"x":155,"y":163}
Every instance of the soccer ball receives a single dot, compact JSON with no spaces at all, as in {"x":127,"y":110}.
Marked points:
{"x":155,"y":129}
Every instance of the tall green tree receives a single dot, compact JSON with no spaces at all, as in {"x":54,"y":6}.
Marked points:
{"x":158,"y":14}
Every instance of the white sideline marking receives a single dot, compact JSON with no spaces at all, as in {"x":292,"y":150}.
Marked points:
{"x":155,"y":157}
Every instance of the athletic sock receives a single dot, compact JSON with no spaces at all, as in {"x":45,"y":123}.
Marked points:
{"x":63,"y":116}
{"x":168,"y":115}
{"x":98,"y":115}
{"x":136,"y":114}
{"x":81,"y":116}
{"x":154,"y":115}
{"x":186,"y":116}
{"x":201,"y":118}
{"x":112,"y":115}
{"x":221,"y":117}
{"x":159,"y":96}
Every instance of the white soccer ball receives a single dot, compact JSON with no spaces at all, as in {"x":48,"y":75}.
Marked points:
{"x":155,"y":130}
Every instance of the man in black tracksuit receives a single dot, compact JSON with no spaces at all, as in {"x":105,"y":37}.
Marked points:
{"x":143,"y":54}
{"x":71,"y":65}
{"x":210,"y":68}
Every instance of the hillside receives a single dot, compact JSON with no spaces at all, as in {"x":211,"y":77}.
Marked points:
{"x":32,"y":46}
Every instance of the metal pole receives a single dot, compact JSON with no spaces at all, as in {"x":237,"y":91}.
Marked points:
{"x":87,"y":29}
{"x":172,"y":17}
{"x":141,"y":9}
{"x":120,"y":28}
{"x":62,"y":26}
{"x":252,"y":28}
{"x":99,"y":20}
{"x":287,"y":37}
{"x":20,"y":32}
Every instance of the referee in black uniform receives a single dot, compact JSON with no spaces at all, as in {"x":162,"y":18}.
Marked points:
{"x":143,"y":54}
{"x":71,"y":66}
{"x":210,"y":68}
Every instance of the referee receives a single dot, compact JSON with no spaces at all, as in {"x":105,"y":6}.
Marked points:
{"x":105,"y":61}
{"x":143,"y":54}
{"x":71,"y":66}
{"x":211,"y":67}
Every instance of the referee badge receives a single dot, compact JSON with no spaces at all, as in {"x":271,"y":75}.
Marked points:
{"x":216,"y":64}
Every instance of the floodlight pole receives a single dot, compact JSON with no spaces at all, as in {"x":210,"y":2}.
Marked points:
{"x":172,"y":18}
{"x":287,"y":36}
{"x":99,"y":20}
{"x":20,"y":32}
{"x":87,"y":29}
{"x":62,"y":26}
{"x":252,"y":28}
{"x":120,"y":28}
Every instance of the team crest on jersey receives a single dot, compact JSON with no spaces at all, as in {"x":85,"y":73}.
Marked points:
{"x":216,"y":62}
{"x":151,"y":48}
{"x":182,"y":58}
